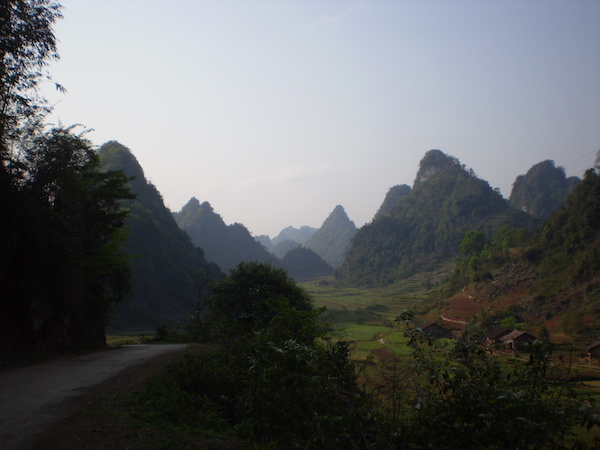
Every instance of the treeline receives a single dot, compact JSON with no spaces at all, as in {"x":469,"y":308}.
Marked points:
{"x":61,"y":264}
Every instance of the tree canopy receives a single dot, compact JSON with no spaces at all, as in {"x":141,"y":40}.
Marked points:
{"x":61,"y":263}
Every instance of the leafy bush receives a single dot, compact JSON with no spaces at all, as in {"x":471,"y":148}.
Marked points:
{"x":468,"y":399}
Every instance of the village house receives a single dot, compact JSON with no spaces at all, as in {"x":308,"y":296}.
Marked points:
{"x":594,"y":351}
{"x":515,"y":340}
{"x":435,"y":331}
{"x":494,"y":336}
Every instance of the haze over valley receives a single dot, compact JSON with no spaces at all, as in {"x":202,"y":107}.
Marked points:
{"x":372,"y":224}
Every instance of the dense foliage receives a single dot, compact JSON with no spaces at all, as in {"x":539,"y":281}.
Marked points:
{"x":272,"y":378}
{"x":479,"y":256}
{"x":393,"y":196}
{"x":169,"y":273}
{"x":424,"y":227}
{"x":569,"y":243}
{"x":61,"y":264}
{"x":272,"y":374}
{"x":560,"y":264}
{"x":542,"y":190}
{"x":27,"y":46}
{"x":225,"y":245}
{"x":465,"y":397}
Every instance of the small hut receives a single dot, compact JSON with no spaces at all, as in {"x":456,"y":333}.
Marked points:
{"x":594,"y":351}
{"x":515,"y":340}
{"x":435,"y":331}
{"x":495,"y":335}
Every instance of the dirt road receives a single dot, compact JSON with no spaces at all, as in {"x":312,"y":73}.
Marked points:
{"x":33,"y":398}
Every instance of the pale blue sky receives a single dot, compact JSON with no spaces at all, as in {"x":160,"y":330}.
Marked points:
{"x":277,"y":111}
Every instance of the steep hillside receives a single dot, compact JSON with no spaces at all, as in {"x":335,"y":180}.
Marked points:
{"x":554,"y":282}
{"x":424,"y":227}
{"x":225,"y":245}
{"x":168,"y":271}
{"x":394,"y":195}
{"x":332,"y":240}
{"x":542,"y":190}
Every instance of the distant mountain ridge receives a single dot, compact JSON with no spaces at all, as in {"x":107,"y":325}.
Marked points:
{"x":225,"y":245}
{"x":299,"y":235}
{"x":333,"y":239}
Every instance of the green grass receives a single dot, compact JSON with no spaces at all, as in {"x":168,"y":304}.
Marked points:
{"x":364,"y":316}
{"x":119,"y":338}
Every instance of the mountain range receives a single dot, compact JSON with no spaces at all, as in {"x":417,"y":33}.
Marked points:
{"x":415,"y":229}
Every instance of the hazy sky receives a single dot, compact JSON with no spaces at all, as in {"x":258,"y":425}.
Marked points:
{"x":277,"y":111}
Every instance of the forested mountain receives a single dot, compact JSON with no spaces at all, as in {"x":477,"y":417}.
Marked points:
{"x":332,"y":240}
{"x":542,"y":190}
{"x":392,"y":198}
{"x":300,"y":235}
{"x":303,"y":263}
{"x":225,"y":245}
{"x":424,"y":227}
{"x":168,"y":270}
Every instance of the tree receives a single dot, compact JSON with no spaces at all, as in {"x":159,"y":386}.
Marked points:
{"x":257,"y":297}
{"x":27,"y":45}
{"x":472,"y":244}
{"x":66,"y":267}
{"x":274,"y":375}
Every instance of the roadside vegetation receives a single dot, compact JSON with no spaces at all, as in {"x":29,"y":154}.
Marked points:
{"x":275,"y":371}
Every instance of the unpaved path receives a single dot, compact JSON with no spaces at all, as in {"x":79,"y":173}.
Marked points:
{"x":33,"y":398}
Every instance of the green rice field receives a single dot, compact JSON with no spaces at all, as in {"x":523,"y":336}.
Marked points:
{"x":366,"y":317}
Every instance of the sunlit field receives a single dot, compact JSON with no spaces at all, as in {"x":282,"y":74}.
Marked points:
{"x":366,"y":317}
{"x":128,"y":337}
